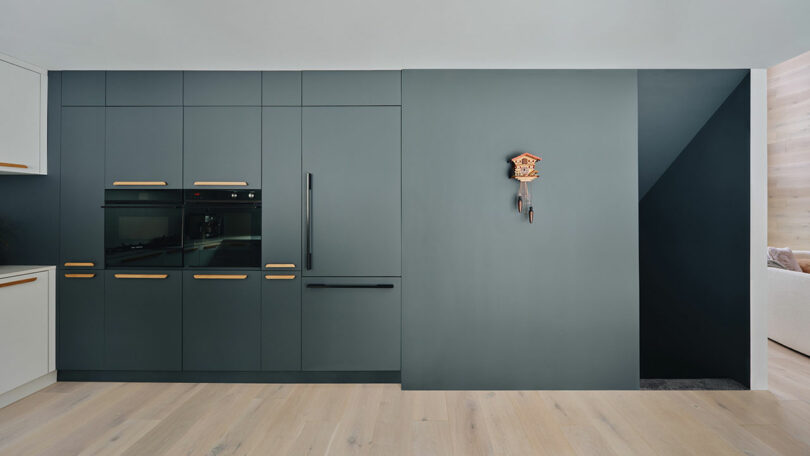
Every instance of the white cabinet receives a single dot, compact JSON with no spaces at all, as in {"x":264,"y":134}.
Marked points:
{"x":27,"y":329}
{"x":23,"y":117}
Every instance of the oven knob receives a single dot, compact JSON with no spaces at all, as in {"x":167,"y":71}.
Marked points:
{"x":250,"y":195}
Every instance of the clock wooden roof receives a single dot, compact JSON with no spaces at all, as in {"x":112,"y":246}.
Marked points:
{"x":528,"y":155}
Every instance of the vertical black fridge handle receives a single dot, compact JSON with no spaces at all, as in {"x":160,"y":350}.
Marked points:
{"x":309,"y":220}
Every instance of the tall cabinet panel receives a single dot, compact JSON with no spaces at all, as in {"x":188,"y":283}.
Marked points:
{"x":82,"y":192}
{"x":281,"y":196}
{"x":144,"y":147}
{"x":352,"y":219}
{"x":281,"y":321}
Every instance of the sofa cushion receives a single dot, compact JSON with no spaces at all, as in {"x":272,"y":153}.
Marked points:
{"x":784,"y":256}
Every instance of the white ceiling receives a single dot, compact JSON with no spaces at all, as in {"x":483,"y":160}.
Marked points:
{"x":393,"y":34}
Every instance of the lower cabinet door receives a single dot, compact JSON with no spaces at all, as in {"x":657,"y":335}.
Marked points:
{"x":351,"y":324}
{"x":24,"y":330}
{"x":80,"y":330}
{"x":281,"y":321}
{"x":143,"y":320}
{"x":221,"y":320}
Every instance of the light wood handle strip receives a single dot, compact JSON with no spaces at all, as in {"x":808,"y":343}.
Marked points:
{"x":227,"y":183}
{"x":141,"y":276}
{"x":17,"y":282}
{"x":279,"y":265}
{"x":220,"y":276}
{"x":80,"y":276}
{"x":279,"y":277}
{"x":13,"y":165}
{"x":88,"y":264}
{"x":144,"y":183}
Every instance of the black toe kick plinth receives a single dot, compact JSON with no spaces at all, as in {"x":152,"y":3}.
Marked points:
{"x":229,"y":377}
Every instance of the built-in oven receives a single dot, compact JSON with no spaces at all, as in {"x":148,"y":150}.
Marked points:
{"x":222,"y":228}
{"x":143,"y":228}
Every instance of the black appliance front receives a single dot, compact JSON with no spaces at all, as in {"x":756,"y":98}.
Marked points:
{"x":222,"y":228}
{"x":143,"y":228}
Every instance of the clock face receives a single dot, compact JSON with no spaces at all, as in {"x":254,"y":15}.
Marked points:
{"x":523,"y":170}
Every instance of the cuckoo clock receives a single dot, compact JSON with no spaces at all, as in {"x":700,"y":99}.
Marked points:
{"x":524,"y":172}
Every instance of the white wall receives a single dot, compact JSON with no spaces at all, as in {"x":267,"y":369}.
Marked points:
{"x":759,"y":229}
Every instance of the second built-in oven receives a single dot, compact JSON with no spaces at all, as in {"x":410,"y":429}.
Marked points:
{"x":222,"y":228}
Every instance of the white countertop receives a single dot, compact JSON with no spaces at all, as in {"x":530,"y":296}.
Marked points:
{"x":11,"y":271}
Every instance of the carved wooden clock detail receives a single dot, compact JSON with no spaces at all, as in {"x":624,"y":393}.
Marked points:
{"x":525,"y":172}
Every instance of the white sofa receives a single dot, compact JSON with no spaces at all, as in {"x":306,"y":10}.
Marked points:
{"x":789,"y":306}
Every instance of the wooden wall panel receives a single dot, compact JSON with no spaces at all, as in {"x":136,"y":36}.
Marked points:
{"x":789,"y":154}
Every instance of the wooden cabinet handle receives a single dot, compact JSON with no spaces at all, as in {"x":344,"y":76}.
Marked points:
{"x":17,"y":282}
{"x":279,"y":277}
{"x":222,"y":183}
{"x":86,"y":264}
{"x":79,"y":276}
{"x":140,"y":183}
{"x":13,"y":165}
{"x":140,"y":276}
{"x":280,"y":265}
{"x":220,"y":276}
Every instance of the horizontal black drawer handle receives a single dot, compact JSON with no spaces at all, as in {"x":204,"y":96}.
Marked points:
{"x":327,"y":285}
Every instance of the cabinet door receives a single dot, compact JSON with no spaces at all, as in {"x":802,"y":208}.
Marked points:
{"x":21,"y":116}
{"x":82,"y":187}
{"x":83,"y":88}
{"x":281,"y":198}
{"x":222,"y":88}
{"x":356,"y":88}
{"x":23,"y":329}
{"x":80,"y":310}
{"x":144,"y":147}
{"x":144,"y":88}
{"x":221,"y":320}
{"x":143,"y":320}
{"x":353,"y":156}
{"x":351,"y":324}
{"x":281,"y":321}
{"x":222,"y":147}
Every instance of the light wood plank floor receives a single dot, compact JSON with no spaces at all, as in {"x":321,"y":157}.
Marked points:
{"x":227,"y":419}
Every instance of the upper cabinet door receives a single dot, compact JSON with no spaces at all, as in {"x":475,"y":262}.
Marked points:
{"x":82,"y":183}
{"x":23,"y":119}
{"x":353,"y":157}
{"x":352,"y":88}
{"x":144,"y":147}
{"x":281,"y":88}
{"x":144,"y":88}
{"x":222,"y":88}
{"x":83,"y":88}
{"x":281,"y":177}
{"x":222,"y":147}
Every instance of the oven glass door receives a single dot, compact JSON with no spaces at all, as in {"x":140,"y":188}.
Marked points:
{"x":222,"y":235}
{"x":143,"y":235}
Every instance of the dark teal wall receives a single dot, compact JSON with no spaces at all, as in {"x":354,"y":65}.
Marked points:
{"x":489,"y":300}
{"x":29,"y":205}
{"x":694,"y":254}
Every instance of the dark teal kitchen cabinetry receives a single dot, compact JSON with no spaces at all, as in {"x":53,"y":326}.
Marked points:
{"x":351,"y":324}
{"x":222,"y":88}
{"x":82,"y":188}
{"x":144,"y":88}
{"x":281,"y":321}
{"x":352,"y":158}
{"x":222,"y":147}
{"x":83,"y":88}
{"x":351,"y":88}
{"x":281,"y":88}
{"x":221,"y":320}
{"x":80,"y":316}
{"x":281,"y":194}
{"x":143,"y":320}
{"x":144,"y":147}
